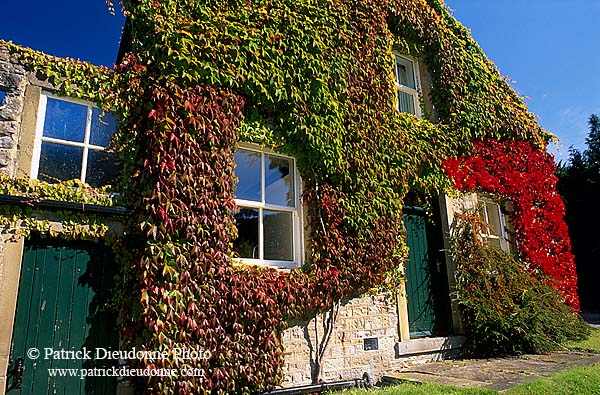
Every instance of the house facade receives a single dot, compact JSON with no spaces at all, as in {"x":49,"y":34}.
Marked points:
{"x":285,"y":183}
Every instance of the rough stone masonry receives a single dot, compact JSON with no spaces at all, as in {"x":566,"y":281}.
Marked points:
{"x":12,"y":91}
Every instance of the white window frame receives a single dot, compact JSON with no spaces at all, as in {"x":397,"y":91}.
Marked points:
{"x":296,"y":211}
{"x":39,"y":134}
{"x":415,"y":93}
{"x":490,"y":234}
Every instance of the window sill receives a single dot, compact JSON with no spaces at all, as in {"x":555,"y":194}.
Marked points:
{"x":279,"y":265}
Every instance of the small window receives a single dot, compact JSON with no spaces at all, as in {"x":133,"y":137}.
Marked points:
{"x":498,"y":223}
{"x":2,"y":99}
{"x":407,"y":82}
{"x":71,"y":142}
{"x":268,"y":219}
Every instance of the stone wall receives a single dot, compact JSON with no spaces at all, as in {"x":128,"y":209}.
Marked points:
{"x":12,"y":87}
{"x":364,"y":318}
{"x":367,"y":317}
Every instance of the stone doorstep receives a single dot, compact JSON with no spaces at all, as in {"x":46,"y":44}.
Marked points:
{"x":428,"y":345}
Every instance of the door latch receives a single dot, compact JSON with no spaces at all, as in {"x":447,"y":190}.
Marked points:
{"x":19,"y":368}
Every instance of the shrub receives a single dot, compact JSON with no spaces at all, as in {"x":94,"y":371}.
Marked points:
{"x":507,"y":309}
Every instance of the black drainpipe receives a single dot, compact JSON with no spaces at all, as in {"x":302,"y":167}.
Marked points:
{"x":364,"y":382}
{"x":59,"y":205}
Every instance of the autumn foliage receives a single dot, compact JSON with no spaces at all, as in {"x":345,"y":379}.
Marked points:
{"x":524,"y":174}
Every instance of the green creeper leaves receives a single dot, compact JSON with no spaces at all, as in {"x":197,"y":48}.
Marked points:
{"x":307,"y":78}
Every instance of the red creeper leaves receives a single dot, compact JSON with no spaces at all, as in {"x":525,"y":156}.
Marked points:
{"x":524,"y":174}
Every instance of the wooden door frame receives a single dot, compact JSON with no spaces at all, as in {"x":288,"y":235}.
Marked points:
{"x":10,"y":272}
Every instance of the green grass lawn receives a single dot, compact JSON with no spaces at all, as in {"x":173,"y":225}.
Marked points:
{"x":581,"y":380}
{"x":420,"y":389}
{"x":591,"y":344}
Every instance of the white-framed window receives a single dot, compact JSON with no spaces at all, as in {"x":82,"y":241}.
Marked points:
{"x":406,"y":73}
{"x":498,"y":223}
{"x":269,"y":216}
{"x":71,"y":140}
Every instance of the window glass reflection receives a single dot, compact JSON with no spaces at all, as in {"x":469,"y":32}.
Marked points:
{"x":246,"y":244}
{"x":279,"y":181}
{"x":104,"y":125}
{"x":59,"y":162}
{"x":65,"y":120}
{"x":101,"y":168}
{"x":278,"y":235}
{"x":405,"y":74}
{"x":248,"y":174}
{"x":406,"y":103}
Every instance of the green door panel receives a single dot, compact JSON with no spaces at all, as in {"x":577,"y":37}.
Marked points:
{"x":62,"y":304}
{"x":421,"y":313}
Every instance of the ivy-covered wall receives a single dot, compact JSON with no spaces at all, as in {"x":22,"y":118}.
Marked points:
{"x":311,"y":79}
{"x":25,"y":204}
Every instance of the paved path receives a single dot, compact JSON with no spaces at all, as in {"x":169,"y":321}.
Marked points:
{"x":592,"y":319}
{"x":499,"y":374}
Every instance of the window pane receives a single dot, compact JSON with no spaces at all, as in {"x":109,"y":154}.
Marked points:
{"x":103,"y":127}
{"x":494,"y":241}
{"x":101,"y":168}
{"x":493,"y":217}
{"x":278,"y":237}
{"x":279,"y":181}
{"x":59,"y":162}
{"x":65,"y":120}
{"x":246,"y":244}
{"x":405,"y":73}
{"x":248,"y":174}
{"x":406,"y":103}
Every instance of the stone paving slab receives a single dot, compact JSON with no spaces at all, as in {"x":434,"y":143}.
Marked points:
{"x":499,"y":373}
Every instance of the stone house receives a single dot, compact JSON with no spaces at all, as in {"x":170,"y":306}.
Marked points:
{"x":56,"y":273}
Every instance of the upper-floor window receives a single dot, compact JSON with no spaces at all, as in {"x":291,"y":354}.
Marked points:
{"x":269,"y":216}
{"x":406,"y":74}
{"x":71,"y":141}
{"x":498,"y":223}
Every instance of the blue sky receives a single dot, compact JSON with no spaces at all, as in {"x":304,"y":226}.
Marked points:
{"x":81,"y":29}
{"x":551,"y":48}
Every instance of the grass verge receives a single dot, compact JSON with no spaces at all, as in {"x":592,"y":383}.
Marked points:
{"x":576,"y":381}
{"x":420,"y":389}
{"x":591,"y":344}
{"x":581,"y":380}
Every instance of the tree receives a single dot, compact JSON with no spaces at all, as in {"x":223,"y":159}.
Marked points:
{"x":592,"y":154}
{"x":579,"y":185}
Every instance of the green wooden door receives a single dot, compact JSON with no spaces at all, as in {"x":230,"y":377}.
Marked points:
{"x":421,"y":313}
{"x":61,"y":305}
